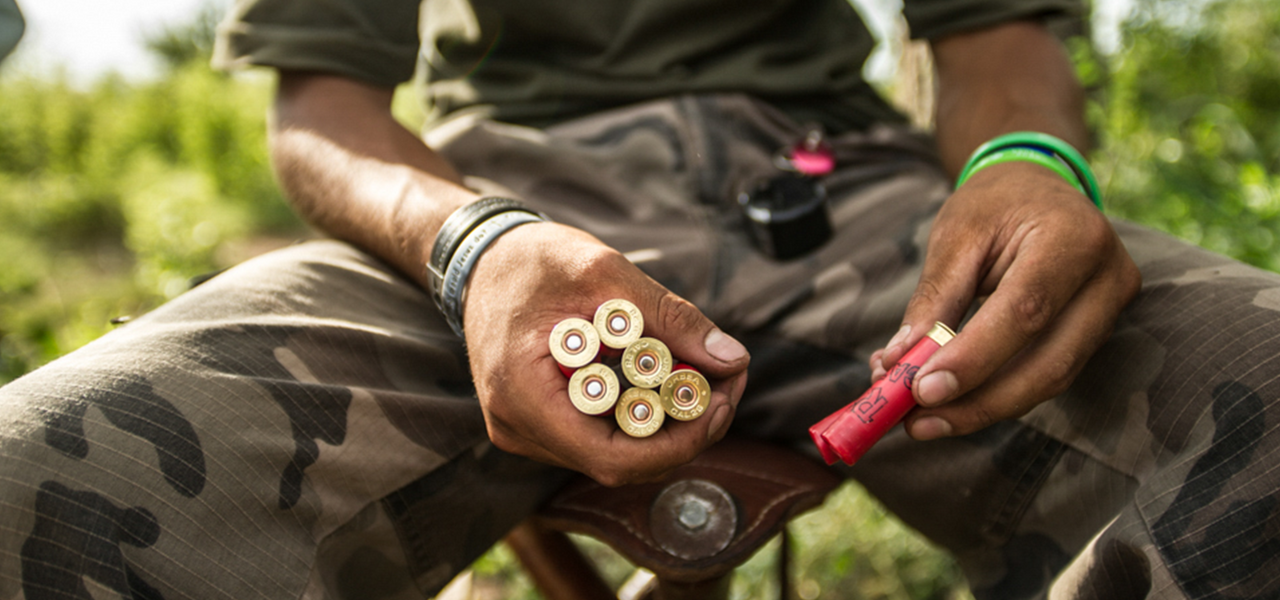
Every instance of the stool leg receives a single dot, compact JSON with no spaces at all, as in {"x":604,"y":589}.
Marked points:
{"x":784,"y":565}
{"x":556,"y":565}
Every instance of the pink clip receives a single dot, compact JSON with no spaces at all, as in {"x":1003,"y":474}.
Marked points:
{"x":813,"y":162}
{"x":812,"y":155}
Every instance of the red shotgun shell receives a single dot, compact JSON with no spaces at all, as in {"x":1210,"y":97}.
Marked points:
{"x":849,"y":432}
{"x":815,"y":432}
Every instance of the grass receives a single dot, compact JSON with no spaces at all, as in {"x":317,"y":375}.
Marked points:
{"x":849,"y":548}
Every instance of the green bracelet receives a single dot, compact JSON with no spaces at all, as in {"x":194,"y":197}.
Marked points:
{"x":1044,"y":143}
{"x":1023,"y":154}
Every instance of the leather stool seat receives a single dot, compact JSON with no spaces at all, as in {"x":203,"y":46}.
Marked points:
{"x":691,"y":529}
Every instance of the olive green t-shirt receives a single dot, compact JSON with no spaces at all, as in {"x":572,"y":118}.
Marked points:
{"x":11,"y":27}
{"x":540,"y":61}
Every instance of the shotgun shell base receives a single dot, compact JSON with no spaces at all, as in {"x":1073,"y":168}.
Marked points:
{"x":647,"y":362}
{"x":619,"y":323}
{"x":593,"y":389}
{"x":574,"y":342}
{"x":685,"y":394}
{"x":639,"y":412}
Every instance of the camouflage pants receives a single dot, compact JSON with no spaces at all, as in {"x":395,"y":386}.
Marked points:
{"x":304,"y":425}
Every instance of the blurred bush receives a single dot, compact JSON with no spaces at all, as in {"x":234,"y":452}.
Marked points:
{"x":114,"y":195}
{"x":1189,"y":124}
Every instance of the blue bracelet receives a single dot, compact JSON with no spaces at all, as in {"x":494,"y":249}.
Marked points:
{"x":453,"y":289}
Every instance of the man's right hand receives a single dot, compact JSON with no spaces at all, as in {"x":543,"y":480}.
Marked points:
{"x":533,"y":277}
{"x":352,"y":170}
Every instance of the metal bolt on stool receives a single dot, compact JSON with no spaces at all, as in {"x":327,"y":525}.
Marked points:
{"x":689,"y":531}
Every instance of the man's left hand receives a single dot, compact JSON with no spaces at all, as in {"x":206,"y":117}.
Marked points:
{"x":1050,"y":276}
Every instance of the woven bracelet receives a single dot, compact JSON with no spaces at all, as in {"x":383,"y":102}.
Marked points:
{"x":456,"y":227}
{"x":453,"y":288}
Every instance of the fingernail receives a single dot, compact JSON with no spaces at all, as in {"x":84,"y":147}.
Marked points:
{"x":723,"y":347}
{"x":718,"y":420}
{"x":930,"y":428}
{"x":877,"y":373}
{"x":936,"y":387}
{"x":900,"y":337}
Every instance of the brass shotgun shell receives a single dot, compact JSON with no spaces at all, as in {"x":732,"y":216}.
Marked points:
{"x":685,"y":394}
{"x":646,"y":362}
{"x":593,"y":389}
{"x":574,"y":342}
{"x":619,"y":323}
{"x":639,"y":412}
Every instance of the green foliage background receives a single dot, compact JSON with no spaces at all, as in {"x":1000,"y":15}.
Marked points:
{"x":113,"y":196}
{"x":1189,"y":124}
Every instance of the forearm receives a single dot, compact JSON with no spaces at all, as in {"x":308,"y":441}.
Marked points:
{"x":1012,"y":77}
{"x":353,"y":171}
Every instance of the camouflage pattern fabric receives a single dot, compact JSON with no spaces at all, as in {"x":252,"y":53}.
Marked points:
{"x":304,"y":426}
